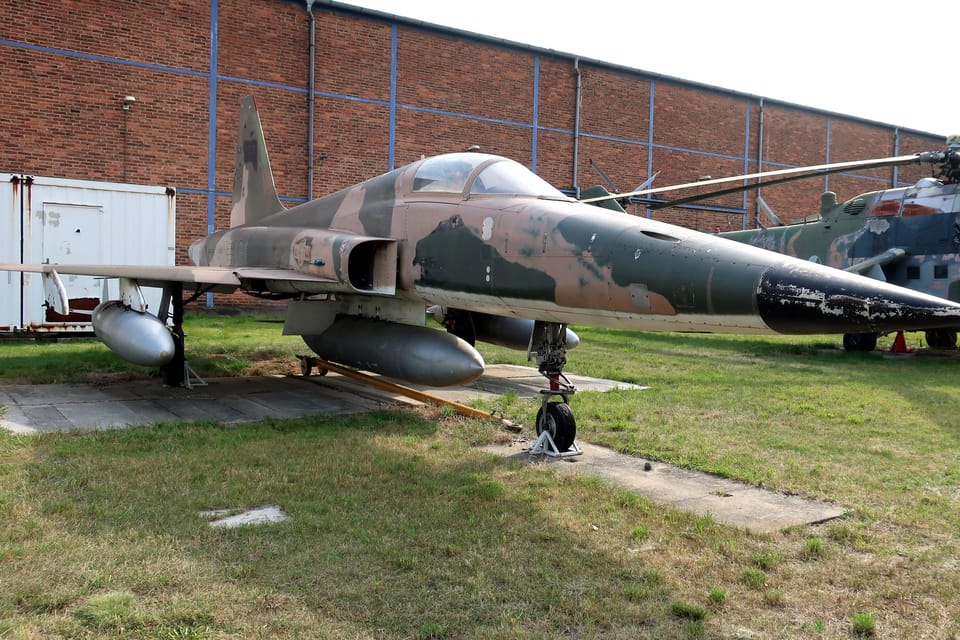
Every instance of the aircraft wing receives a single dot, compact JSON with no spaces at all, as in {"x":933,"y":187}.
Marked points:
{"x":218,"y":279}
{"x":871,"y":266}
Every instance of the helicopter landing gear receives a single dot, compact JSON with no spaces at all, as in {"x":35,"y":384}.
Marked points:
{"x":941,"y":338}
{"x":556,"y":426}
{"x":859,"y":341}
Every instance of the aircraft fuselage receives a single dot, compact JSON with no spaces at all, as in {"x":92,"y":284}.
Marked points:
{"x":550,"y":258}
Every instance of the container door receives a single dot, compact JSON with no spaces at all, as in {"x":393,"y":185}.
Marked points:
{"x":73,"y":234}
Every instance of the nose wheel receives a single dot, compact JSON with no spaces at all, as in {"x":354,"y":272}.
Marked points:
{"x":556,"y":426}
{"x":556,"y":419}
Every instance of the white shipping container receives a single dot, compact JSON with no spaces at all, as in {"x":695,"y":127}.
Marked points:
{"x":63,"y":221}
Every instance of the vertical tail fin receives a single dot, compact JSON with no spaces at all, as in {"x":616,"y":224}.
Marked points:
{"x":254,"y":192}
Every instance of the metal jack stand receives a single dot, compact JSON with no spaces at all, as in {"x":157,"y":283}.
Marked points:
{"x":190,"y":377}
{"x":544,"y":445}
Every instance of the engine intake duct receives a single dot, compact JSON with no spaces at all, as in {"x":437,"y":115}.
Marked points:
{"x":361,"y":263}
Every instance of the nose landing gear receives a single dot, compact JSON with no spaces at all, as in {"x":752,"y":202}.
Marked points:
{"x":556,"y":426}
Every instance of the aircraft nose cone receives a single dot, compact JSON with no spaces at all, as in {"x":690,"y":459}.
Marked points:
{"x":810,"y":299}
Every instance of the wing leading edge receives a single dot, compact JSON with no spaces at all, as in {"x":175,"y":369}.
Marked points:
{"x":216,"y":279}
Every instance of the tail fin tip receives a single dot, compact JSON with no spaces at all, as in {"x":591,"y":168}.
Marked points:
{"x":254,"y":191}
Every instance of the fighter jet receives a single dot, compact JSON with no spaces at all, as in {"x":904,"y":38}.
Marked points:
{"x":504,"y":255}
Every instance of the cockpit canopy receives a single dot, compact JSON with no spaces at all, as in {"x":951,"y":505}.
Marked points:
{"x":478,"y":174}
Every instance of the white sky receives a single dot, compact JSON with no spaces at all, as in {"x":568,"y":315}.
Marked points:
{"x":895,"y":63}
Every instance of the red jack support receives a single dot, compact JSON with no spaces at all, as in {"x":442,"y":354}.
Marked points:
{"x":900,"y":344}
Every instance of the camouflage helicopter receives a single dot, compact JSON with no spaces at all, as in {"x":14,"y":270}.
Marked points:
{"x":506,"y":256}
{"x":909,"y":236}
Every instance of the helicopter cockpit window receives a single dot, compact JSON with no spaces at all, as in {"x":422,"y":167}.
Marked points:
{"x":447,"y":173}
{"x":507,"y":177}
{"x":887,"y":203}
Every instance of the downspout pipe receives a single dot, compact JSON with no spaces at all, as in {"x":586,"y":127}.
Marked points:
{"x":759,"y":163}
{"x":311,"y":100}
{"x":576,"y":128}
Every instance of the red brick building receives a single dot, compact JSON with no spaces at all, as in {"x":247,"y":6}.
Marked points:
{"x":385,"y":92}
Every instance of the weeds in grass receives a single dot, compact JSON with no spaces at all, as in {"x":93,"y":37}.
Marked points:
{"x":718,"y":596}
{"x":649,"y":585}
{"x":812,"y":548}
{"x":640,"y":532}
{"x":110,"y":610}
{"x":652,"y":577}
{"x":773,"y":598}
{"x":694,"y":629}
{"x":688,"y":611}
{"x":753,"y":578}
{"x":817,"y":626}
{"x":703,"y":523}
{"x":766,"y":559}
{"x":864,"y":624}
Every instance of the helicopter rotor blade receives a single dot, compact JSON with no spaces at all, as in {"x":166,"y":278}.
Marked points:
{"x":771,"y":215}
{"x":787,"y":175}
{"x":606,"y":178}
{"x":647,"y":182}
{"x":737,"y":189}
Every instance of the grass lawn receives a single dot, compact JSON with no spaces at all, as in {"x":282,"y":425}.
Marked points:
{"x":402,"y":528}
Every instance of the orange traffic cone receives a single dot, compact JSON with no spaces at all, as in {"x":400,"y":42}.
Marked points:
{"x":900,"y":344}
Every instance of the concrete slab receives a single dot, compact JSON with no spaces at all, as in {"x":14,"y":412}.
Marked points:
{"x":727,"y":501}
{"x":78,"y":407}
{"x":70,"y":407}
{"x":47,"y":417}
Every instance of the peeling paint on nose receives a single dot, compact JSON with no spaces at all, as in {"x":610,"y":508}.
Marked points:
{"x":792,"y":300}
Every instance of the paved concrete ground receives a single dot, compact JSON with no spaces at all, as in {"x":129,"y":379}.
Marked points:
{"x":27,"y":409}
{"x":81,"y":407}
{"x":728,"y":502}
{"x":76,"y":407}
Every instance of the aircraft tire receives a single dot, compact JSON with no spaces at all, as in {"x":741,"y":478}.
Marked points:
{"x":941,"y":338}
{"x":859,"y":341}
{"x":559,"y":421}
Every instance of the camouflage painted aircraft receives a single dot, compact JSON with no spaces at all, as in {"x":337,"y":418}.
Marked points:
{"x":507,"y":257}
{"x":909,"y":236}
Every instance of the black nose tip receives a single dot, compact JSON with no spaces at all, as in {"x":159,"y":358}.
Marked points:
{"x":815,"y":299}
